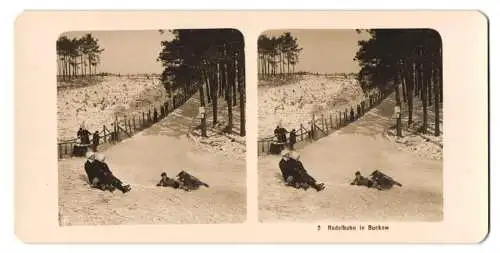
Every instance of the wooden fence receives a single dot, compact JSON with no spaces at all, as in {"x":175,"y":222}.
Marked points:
{"x":324,"y":124}
{"x":126,"y":127}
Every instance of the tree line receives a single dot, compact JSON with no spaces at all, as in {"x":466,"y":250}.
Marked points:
{"x":211,"y":61}
{"x":77,"y":56}
{"x":408,"y":61}
{"x":277,"y":55}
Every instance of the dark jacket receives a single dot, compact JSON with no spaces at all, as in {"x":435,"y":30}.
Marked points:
{"x":169,"y":182}
{"x":362,"y":181}
{"x":285,"y":168}
{"x":302,"y":173}
{"x":92,"y":170}
{"x":95,"y":139}
{"x":293,"y":137}
{"x":85,"y":136}
{"x":189,"y":181}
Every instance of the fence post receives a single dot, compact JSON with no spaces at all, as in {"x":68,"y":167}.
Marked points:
{"x":113,"y":133}
{"x":104,"y":133}
{"x":143,"y":121}
{"x":312,"y":127}
{"x":351,"y":115}
{"x":331,"y":121}
{"x":65,"y":149}
{"x":125,"y":122}
{"x":323,"y":122}
{"x":149,"y":116}
{"x":301,"y":132}
{"x":339,"y":119}
{"x":133,"y":122}
{"x":345,"y":117}
{"x":60,"y":150}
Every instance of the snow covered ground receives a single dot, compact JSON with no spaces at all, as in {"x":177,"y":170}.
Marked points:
{"x":166,"y":146}
{"x":97,"y":102}
{"x":424,"y":145}
{"x":333,"y":160}
{"x":293,"y":103}
{"x":232,"y":145}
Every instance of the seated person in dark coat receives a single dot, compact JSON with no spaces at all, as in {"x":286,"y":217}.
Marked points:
{"x":286,"y":167}
{"x":100,"y":176}
{"x":295,"y":174}
{"x":92,"y":170}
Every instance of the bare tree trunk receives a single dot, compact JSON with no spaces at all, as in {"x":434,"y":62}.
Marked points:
{"x":90,"y":67}
{"x":430,"y":83}
{"x":229,"y":97}
{"x":425,"y":80}
{"x":411,"y":86}
{"x":436,"y":103}
{"x":241,"y":87}
{"x":203,"y":119}
{"x":234,"y":88}
{"x":207,"y":85}
{"x":404,"y":88}
{"x":215,"y":94}
{"x":398,"y":103}
{"x":288,"y":65}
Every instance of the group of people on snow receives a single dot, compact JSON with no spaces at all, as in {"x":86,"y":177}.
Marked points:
{"x":280,"y":135}
{"x":84,"y":141}
{"x":100,"y":177}
{"x":295,"y":175}
{"x":184,"y":181}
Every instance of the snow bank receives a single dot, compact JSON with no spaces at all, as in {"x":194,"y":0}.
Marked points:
{"x":294,"y":103}
{"x":99,"y":104}
{"x":217,"y":141}
{"x":413,"y":140}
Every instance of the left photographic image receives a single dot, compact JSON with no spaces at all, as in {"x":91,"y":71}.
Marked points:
{"x":151,"y":127}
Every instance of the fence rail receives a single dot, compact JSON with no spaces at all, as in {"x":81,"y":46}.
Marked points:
{"x":126,"y":126}
{"x":324,"y":124}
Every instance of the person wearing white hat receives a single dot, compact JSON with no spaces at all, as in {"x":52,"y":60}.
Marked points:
{"x":107,"y":178}
{"x":100,"y":176}
{"x":92,"y":169}
{"x":286,"y":167}
{"x":296,"y":174}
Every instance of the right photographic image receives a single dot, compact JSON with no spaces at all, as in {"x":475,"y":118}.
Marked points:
{"x":350,"y":125}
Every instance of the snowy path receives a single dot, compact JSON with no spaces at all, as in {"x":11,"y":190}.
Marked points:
{"x":334,"y":159}
{"x":139,"y":161}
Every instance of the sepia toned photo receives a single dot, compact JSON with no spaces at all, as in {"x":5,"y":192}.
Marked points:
{"x":151,"y":127}
{"x":350,"y":125}
{"x":251,"y":127}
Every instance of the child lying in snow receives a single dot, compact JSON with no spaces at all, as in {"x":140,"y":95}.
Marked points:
{"x":189,"y":181}
{"x":185,"y":181}
{"x":169,"y":182}
{"x":377,"y":180}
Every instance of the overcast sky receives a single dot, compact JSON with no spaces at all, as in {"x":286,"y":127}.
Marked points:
{"x":128,"y":52}
{"x":326,"y":51}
